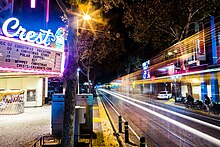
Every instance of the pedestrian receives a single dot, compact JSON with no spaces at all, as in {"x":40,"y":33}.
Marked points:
{"x":207,"y":102}
{"x":190,"y":101}
{"x":216,"y":108}
{"x":199,"y":104}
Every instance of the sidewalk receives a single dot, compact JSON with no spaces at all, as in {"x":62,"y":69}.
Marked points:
{"x":102,"y":126}
{"x":202,"y":112}
{"x":19,"y":130}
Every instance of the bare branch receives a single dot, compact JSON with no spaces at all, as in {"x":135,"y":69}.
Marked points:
{"x":197,"y":10}
{"x":62,"y":6}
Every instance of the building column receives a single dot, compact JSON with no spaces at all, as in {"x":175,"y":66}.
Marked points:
{"x":189,"y":89}
{"x":151,"y":88}
{"x":213,"y":37}
{"x":214,"y":88}
{"x":204,"y":89}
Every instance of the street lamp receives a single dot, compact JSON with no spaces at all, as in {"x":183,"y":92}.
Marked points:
{"x":78,"y":69}
{"x":86,"y":17}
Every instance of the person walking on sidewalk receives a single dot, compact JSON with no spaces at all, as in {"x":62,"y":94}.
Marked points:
{"x":190,"y":101}
{"x":207,"y":102}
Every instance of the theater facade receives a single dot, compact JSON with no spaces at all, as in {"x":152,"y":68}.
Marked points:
{"x":27,"y":59}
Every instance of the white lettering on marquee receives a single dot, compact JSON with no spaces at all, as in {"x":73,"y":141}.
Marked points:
{"x":43,"y":37}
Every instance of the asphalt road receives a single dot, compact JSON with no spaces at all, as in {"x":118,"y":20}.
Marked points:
{"x":163,"y":125}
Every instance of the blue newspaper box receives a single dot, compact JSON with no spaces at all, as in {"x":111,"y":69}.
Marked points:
{"x":57,"y":114}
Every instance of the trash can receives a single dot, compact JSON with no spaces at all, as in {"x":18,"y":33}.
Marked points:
{"x":57,"y":114}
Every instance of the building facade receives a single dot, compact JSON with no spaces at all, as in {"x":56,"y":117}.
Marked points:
{"x":30,"y":52}
{"x":189,"y":67}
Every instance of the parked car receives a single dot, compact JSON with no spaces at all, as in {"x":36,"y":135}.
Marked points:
{"x":164,"y":95}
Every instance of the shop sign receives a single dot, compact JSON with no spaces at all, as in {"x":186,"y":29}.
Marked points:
{"x":34,"y":52}
{"x":200,"y":46}
{"x":12,"y":29}
{"x":16,"y":54}
{"x":145,"y":71}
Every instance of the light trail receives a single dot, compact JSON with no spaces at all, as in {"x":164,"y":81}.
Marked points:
{"x":172,"y":112}
{"x":174,"y":122}
{"x":110,"y":104}
{"x":141,"y":130}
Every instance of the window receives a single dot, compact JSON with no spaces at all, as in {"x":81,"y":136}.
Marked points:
{"x":31,"y":95}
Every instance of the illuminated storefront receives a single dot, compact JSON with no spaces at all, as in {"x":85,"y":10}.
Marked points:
{"x":191,"y":66}
{"x":27,"y":59}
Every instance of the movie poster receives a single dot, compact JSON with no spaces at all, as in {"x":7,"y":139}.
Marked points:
{"x":31,"y":95}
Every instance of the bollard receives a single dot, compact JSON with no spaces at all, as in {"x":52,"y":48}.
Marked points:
{"x":41,"y":140}
{"x":119,"y":124}
{"x":126,"y":132}
{"x":142,"y":142}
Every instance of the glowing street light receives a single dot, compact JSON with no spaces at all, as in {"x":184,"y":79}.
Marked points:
{"x":86,"y":17}
{"x":78,"y":69}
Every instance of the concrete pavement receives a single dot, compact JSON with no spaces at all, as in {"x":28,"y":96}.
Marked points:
{"x":23,"y":129}
{"x":19,"y":130}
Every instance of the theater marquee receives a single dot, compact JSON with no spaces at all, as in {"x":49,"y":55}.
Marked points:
{"x":30,"y":50}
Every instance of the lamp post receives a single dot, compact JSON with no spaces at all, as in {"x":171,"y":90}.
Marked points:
{"x":85,"y":17}
{"x":78,"y":69}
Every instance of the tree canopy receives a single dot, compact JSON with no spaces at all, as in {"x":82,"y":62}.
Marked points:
{"x":162,"y":23}
{"x":94,"y":48}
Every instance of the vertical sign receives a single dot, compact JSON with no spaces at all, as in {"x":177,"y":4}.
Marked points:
{"x":200,"y":45}
{"x":145,"y":71}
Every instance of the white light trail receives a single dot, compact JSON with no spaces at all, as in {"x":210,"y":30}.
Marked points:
{"x":172,"y":112}
{"x":181,"y":125}
{"x":132,"y":130}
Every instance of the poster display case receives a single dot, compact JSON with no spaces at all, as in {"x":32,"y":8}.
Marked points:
{"x":11,"y":102}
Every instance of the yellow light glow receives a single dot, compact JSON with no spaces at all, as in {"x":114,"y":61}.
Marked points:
{"x":86,"y":17}
{"x":195,"y":80}
{"x":170,"y":53}
{"x":89,"y":17}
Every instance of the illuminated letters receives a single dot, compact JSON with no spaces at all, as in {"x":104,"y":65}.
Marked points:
{"x":43,"y":37}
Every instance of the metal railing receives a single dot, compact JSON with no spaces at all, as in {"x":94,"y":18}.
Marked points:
{"x":47,"y":140}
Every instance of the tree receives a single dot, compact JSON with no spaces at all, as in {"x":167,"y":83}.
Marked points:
{"x":161,"y":23}
{"x":132,"y":64}
{"x":71,"y":12}
{"x":94,"y":48}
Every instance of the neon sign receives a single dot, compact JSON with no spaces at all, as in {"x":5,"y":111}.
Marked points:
{"x":44,"y":37}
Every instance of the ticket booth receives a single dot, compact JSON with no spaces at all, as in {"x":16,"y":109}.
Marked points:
{"x":12,"y":102}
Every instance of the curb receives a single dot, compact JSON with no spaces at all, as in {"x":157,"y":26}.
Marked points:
{"x":103,"y":127}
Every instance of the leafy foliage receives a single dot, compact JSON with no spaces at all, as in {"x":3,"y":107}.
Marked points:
{"x":94,"y":48}
{"x":163,"y":22}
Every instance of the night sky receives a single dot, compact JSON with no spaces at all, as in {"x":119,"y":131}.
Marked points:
{"x":112,"y":69}
{"x":115,"y":15}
